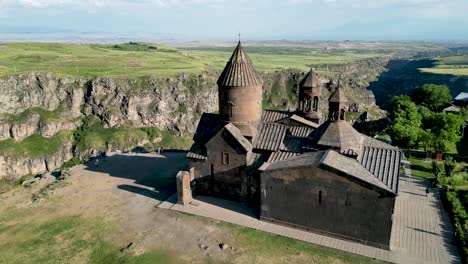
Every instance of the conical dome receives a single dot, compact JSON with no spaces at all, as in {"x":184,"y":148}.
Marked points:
{"x":239,"y":70}
{"x":310,"y":81}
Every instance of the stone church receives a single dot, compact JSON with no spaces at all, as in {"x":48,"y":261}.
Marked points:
{"x":302,"y":168}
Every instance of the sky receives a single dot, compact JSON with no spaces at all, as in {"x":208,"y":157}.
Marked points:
{"x":254,"y":19}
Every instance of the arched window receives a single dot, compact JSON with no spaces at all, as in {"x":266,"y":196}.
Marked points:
{"x":316,"y":104}
{"x":307,"y":104}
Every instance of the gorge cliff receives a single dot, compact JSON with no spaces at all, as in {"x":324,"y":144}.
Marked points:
{"x":40,"y":107}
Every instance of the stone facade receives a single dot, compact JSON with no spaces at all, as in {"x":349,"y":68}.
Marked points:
{"x":297,"y":169}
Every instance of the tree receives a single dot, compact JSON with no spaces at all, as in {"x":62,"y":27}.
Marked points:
{"x":432,"y":96}
{"x":445,"y":129}
{"x":406,"y":121}
{"x":402,"y":107}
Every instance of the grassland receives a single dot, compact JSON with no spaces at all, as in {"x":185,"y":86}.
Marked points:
{"x":65,"y":240}
{"x":136,"y":60}
{"x":34,"y":146}
{"x":453,"y":65}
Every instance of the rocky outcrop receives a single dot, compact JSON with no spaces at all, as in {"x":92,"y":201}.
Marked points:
{"x":33,"y":124}
{"x":17,"y":166}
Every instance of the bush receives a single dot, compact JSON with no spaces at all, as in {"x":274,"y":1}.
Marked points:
{"x":449,"y":166}
{"x":71,"y":163}
{"x":437,"y":168}
{"x":456,"y":201}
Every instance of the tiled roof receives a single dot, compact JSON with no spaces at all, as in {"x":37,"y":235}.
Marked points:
{"x":372,"y":142}
{"x":350,"y":152}
{"x":337,"y":134}
{"x":294,"y":144}
{"x":280,"y":155}
{"x":271,"y":116}
{"x":383,"y":163}
{"x":270,"y":136}
{"x":234,"y":131}
{"x":304,"y":160}
{"x":197,"y":152}
{"x":353,"y":168}
{"x":300,"y":131}
{"x":209,"y":125}
{"x":239,"y":70}
{"x":304,"y":121}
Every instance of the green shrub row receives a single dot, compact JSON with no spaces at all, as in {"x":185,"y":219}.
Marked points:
{"x":457,"y":203}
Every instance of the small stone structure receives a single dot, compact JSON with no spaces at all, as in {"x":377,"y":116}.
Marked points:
{"x":184,"y":193}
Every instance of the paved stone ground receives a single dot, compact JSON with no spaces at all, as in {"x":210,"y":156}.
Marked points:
{"x":421,"y":232}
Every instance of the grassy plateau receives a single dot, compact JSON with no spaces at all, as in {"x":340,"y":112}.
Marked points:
{"x":142,"y":59}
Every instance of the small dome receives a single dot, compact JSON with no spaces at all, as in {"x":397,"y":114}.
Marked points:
{"x":311,"y":80}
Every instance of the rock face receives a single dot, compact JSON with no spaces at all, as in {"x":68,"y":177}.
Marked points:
{"x":17,"y":167}
{"x":174,"y":104}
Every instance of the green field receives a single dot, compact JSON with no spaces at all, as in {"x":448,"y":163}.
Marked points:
{"x":141,"y":59}
{"x":453,"y":65}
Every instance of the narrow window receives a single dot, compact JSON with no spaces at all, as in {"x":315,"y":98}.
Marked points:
{"x":320,"y":197}
{"x":225,"y":158}
{"x":315,"y":103}
{"x":307,"y":104}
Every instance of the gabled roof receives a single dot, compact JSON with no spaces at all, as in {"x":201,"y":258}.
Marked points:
{"x":334,"y":160}
{"x":383,"y":163}
{"x":337,"y":134}
{"x":304,"y":121}
{"x":197,"y":152}
{"x":338,"y":96}
{"x":234,"y":131}
{"x":272,"y":116}
{"x":270,"y":136}
{"x":452,"y":108}
{"x":239,"y":70}
{"x":279,"y":155}
{"x":300,"y":131}
{"x":353,"y":168}
{"x":462,"y":97}
{"x":209,"y":125}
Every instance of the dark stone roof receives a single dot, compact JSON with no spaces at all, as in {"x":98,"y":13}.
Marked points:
{"x":280,"y":155}
{"x":338,"y":96}
{"x":270,"y":136}
{"x":209,"y":125}
{"x":383,"y":163}
{"x":334,"y":160}
{"x":197,"y":152}
{"x":304,"y":160}
{"x":237,"y":135}
{"x":311,"y":80}
{"x":272,"y":116}
{"x":294,"y":144}
{"x":353,"y":168}
{"x":337,"y":134}
{"x":239,"y":70}
{"x":300,"y":131}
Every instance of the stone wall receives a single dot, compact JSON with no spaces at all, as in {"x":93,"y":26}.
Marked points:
{"x":318,"y":200}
